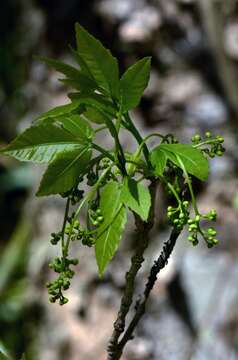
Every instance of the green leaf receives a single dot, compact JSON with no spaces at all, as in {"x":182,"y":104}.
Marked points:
{"x":78,"y":127}
{"x":100,"y":62}
{"x":158,"y":159}
{"x":3,"y":357}
{"x":83,"y":65}
{"x":59,"y":66}
{"x":83,"y":82}
{"x":110,"y":232}
{"x":133,"y":83}
{"x":61,"y":110}
{"x":94,"y":101}
{"x":42,"y":143}
{"x":137,"y":197}
{"x":192,"y":159}
{"x":95,"y":115}
{"x":63,"y":173}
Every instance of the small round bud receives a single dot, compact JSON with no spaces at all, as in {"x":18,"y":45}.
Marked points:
{"x":212,"y":231}
{"x":208,"y":135}
{"x":52,"y":299}
{"x":197,"y":138}
{"x":74,"y":261}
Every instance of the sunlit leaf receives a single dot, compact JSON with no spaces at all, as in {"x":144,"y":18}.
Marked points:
{"x":111,"y":231}
{"x":100,"y":62}
{"x":63,"y":173}
{"x":137,"y":197}
{"x":133,"y":84}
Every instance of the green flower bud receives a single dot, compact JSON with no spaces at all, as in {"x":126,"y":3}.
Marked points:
{"x":185,"y":203}
{"x":197,"y":218}
{"x":212,"y":231}
{"x":74,"y":261}
{"x":197,"y":138}
{"x":208,"y":135}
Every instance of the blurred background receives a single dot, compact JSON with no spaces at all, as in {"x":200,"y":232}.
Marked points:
{"x":193,"y":311}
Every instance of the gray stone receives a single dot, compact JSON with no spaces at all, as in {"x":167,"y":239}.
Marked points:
{"x":206,"y":110}
{"x":140,"y":26}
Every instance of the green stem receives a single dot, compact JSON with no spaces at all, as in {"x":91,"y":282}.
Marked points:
{"x":146,"y":139}
{"x":189,"y":186}
{"x":63,"y":227}
{"x":207,"y":142}
{"x":103,"y":151}
{"x":119,"y":150}
{"x":174,"y":192}
{"x":87,"y":199}
{"x":129,"y":125}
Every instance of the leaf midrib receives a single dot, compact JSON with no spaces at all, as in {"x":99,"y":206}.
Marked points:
{"x":75,"y":160}
{"x":44,"y":145}
{"x":177,"y":153}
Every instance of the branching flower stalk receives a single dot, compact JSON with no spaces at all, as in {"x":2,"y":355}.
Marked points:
{"x":64,"y":139}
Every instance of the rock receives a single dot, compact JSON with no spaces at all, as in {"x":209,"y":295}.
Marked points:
{"x":230,"y":41}
{"x":221,"y":166}
{"x":180,"y":87}
{"x":107,"y":295}
{"x":206,"y":110}
{"x":140,"y":25}
{"x":118,"y":10}
{"x":169,"y":335}
{"x":140,"y":349}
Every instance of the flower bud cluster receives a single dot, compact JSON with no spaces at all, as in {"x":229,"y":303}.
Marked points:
{"x":56,"y":287}
{"x":96,"y":217}
{"x":178,"y":217}
{"x":216,"y":148}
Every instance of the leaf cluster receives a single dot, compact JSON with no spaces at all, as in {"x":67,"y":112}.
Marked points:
{"x":65,"y":139}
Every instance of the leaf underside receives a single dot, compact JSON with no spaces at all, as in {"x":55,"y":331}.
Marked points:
{"x":192,"y":159}
{"x":133,"y":83}
{"x":63,"y":173}
{"x":137,"y":197}
{"x":42,"y":143}
{"x":110,"y":232}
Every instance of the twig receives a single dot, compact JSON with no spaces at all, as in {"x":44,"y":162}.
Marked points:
{"x":158,"y":265}
{"x":143,"y":229}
